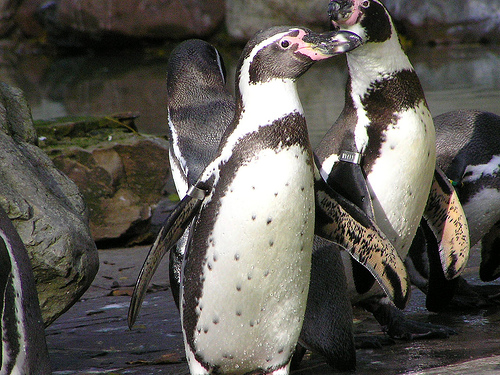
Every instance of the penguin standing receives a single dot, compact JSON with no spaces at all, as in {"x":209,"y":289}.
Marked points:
{"x":468,"y":151}
{"x":22,"y":335}
{"x":246,"y":270}
{"x":334,"y":340}
{"x":380,"y":153}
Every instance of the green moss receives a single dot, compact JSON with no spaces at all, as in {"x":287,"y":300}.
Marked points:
{"x":84,"y":131}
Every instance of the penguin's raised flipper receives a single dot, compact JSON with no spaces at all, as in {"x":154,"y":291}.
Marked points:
{"x":446,"y":218}
{"x":170,"y":233}
{"x":344,"y":223}
{"x":489,"y":269}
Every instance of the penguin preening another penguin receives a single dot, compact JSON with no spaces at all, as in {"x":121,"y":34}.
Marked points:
{"x":468,"y":151}
{"x":246,"y":268}
{"x":22,"y":335}
{"x":380,"y":153}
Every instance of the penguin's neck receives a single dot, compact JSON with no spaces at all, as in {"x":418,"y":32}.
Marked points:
{"x":374,"y":62}
{"x":261,"y":104}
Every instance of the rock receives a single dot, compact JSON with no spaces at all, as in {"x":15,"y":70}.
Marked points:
{"x":47,"y":210}
{"x":27,"y":18}
{"x":121,"y":174}
{"x":444,"y":21}
{"x":245,"y":18}
{"x":7,"y":12}
{"x":109,"y":21}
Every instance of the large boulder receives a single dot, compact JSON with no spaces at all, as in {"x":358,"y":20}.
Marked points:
{"x":110,"y":21}
{"x":245,"y":18}
{"x":121,"y":174}
{"x":47,"y":210}
{"x":445,"y":21}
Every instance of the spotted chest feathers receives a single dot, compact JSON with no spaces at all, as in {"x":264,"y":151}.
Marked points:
{"x":251,"y":254}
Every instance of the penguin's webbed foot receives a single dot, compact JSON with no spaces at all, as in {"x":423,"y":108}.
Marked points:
{"x":469,"y":296}
{"x":409,"y":330}
{"x":397,"y":326}
{"x":372,"y":341}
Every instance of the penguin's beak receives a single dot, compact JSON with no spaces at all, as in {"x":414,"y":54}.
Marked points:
{"x":325,"y":45}
{"x":344,"y":12}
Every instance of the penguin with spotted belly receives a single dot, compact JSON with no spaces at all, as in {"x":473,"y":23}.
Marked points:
{"x":245,"y":272}
{"x":380,"y":154}
{"x":198,"y":64}
{"x":22,"y":335}
{"x":468,"y":151}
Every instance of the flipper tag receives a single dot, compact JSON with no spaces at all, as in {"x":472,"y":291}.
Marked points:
{"x":350,"y":157}
{"x":196,"y":193}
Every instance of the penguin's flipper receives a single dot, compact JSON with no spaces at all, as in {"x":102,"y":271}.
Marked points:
{"x":342,"y":222}
{"x":489,"y":269}
{"x":348,"y":179}
{"x":170,"y":233}
{"x":446,"y":218}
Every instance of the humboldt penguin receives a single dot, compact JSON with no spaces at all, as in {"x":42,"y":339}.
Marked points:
{"x":334,"y":340}
{"x":24,"y":350}
{"x":245,"y":273}
{"x":380,"y":154}
{"x":468,"y":151}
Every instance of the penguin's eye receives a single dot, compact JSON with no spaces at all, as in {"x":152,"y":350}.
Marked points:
{"x":285,"y":44}
{"x":365,"y":4}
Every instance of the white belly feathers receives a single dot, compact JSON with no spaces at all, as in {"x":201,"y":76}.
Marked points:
{"x":258,"y":262}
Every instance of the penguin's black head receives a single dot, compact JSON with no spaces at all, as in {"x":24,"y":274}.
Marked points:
{"x":287,"y":52}
{"x":194,"y":67}
{"x":367,"y":18}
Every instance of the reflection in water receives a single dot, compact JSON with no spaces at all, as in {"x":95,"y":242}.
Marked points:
{"x":453,"y":78}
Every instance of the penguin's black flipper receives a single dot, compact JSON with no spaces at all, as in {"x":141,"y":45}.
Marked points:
{"x":21,"y":326}
{"x":344,"y":223}
{"x":489,"y":269}
{"x":446,"y":218}
{"x":348,"y":179}
{"x":169,"y":234}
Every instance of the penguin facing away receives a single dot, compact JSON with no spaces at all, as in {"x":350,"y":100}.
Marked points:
{"x":246,"y":269}
{"x":383,"y":144}
{"x":200,"y":109}
{"x":22,"y":335}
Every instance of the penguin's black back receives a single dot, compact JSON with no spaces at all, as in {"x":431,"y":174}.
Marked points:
{"x":200,"y":107}
{"x":466,"y":137}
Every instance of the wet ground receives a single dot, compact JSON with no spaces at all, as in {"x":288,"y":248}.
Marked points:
{"x":93,"y":338}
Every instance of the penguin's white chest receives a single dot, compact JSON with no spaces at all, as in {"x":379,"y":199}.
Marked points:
{"x":402,"y":175}
{"x":257,"y":267}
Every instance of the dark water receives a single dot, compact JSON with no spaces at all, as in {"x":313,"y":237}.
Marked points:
{"x":452,"y":77}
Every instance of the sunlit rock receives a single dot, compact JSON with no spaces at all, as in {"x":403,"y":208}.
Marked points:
{"x":47,"y":210}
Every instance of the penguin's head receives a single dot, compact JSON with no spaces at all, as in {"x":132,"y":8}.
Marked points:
{"x":287,"y":52}
{"x":193,"y":68}
{"x":367,"y":18}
